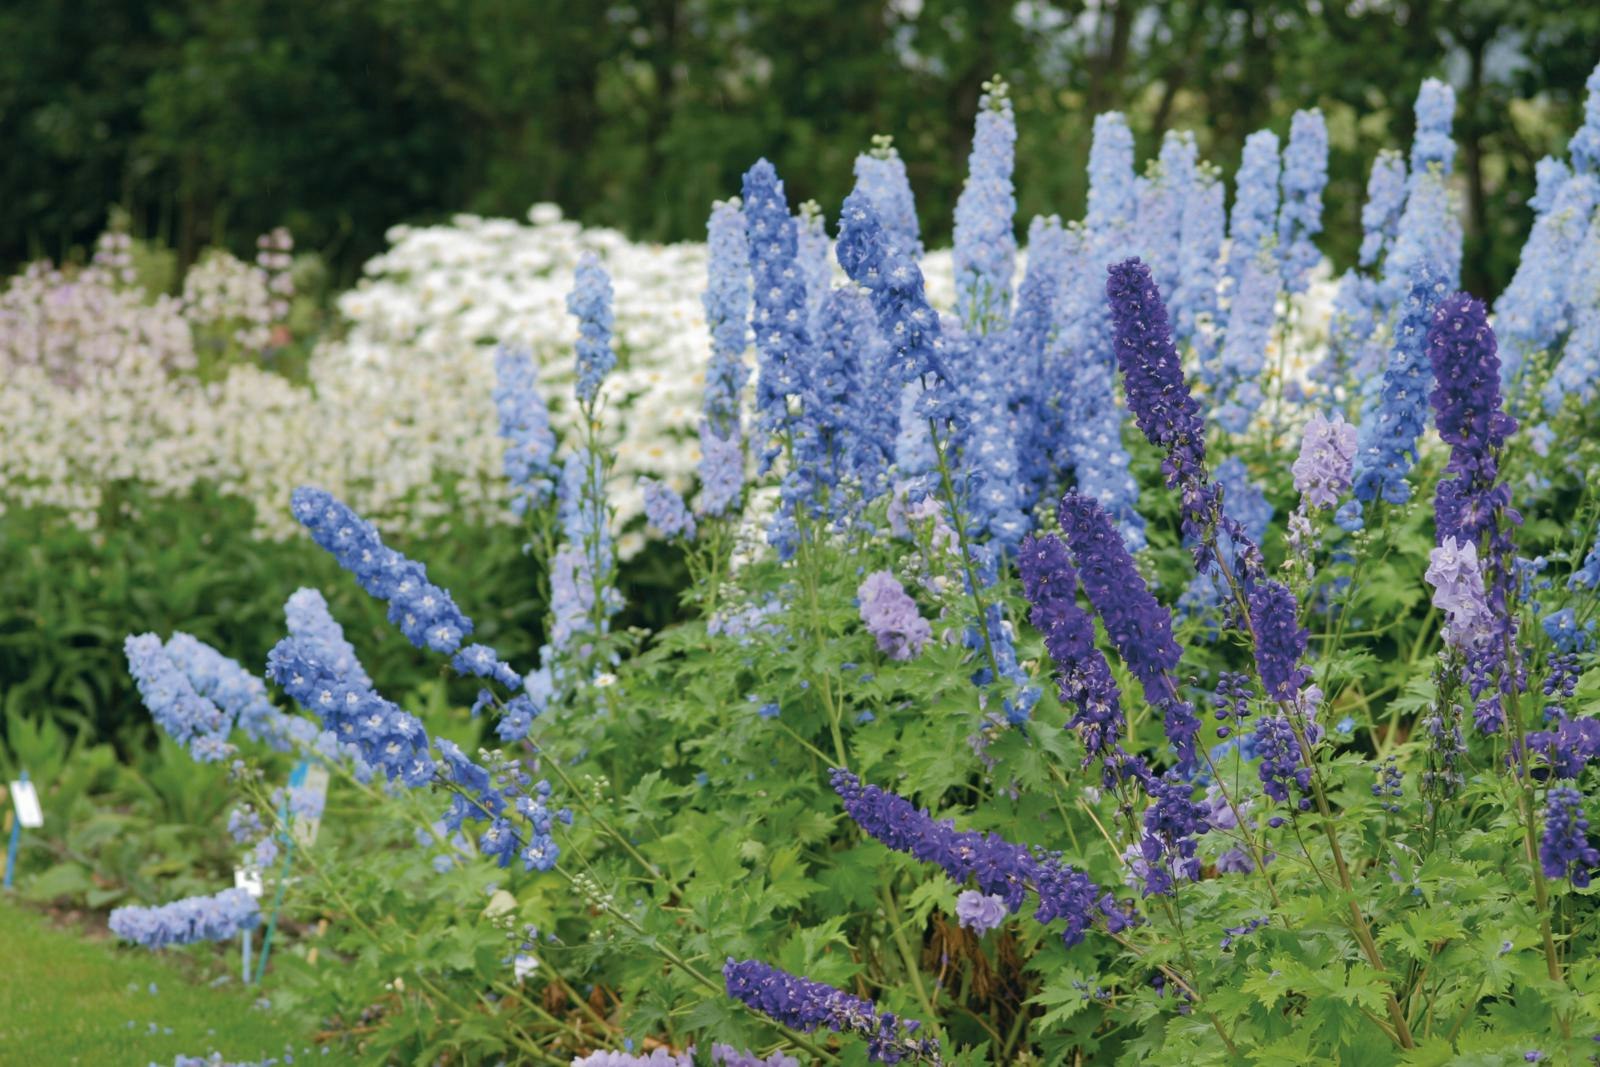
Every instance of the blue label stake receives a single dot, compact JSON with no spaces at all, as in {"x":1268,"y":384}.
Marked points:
{"x":296,"y":778}
{"x":16,"y":839}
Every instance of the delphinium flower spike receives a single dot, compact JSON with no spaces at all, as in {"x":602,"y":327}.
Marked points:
{"x":590,"y":303}
{"x":1253,"y":221}
{"x":424,"y":612}
{"x":891,"y":616}
{"x":809,"y":1006}
{"x":1162,"y":195}
{"x":187,"y":717}
{"x":240,"y":694}
{"x":1536,"y":307}
{"x":881,"y":176}
{"x":1305,"y":175}
{"x":1429,"y":231}
{"x":999,"y":867}
{"x":1565,"y":851}
{"x":813,"y":259}
{"x":309,"y":621}
{"x":529,"y":459}
{"x":1576,"y":374}
{"x":1194,"y":301}
{"x":1386,"y":199}
{"x":1159,"y":398}
{"x":985,"y":244}
{"x":779,"y":319}
{"x":1584,"y":147}
{"x":1139,"y":626}
{"x":1051,"y":585}
{"x":727,"y":306}
{"x":218,"y":917}
{"x":388,"y":738}
{"x":1387,"y":439}
{"x":665,"y":511}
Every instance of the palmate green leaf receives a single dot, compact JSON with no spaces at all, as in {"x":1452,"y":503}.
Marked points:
{"x":1418,"y":935}
{"x":1060,"y":998}
{"x":787,"y":883}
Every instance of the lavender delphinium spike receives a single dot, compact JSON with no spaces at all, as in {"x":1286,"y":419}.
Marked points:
{"x":1536,"y":307}
{"x":985,"y":243}
{"x":998,"y":867}
{"x":808,"y":1006}
{"x":529,"y":459}
{"x":1305,"y":175}
{"x":183,"y":714}
{"x":1253,"y":221}
{"x":727,"y":306}
{"x":1194,"y":301}
{"x":1429,"y":231}
{"x":219,"y":917}
{"x":1577,"y":373}
{"x":1323,"y":469}
{"x":891,"y":616}
{"x":1584,"y":148}
{"x":1163,"y":195}
{"x":780,"y":316}
{"x":425,"y":613}
{"x":881,"y":177}
{"x":1387,"y":439}
{"x":1386,"y":199}
{"x":590,"y":303}
{"x":665,"y":511}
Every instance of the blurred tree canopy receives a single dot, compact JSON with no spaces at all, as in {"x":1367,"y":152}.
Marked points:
{"x":213,"y":120}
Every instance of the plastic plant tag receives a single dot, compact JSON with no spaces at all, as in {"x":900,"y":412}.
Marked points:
{"x":248,"y":879}
{"x":25,"y":800}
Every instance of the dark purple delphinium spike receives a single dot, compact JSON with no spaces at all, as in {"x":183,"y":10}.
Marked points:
{"x":1051,"y":585}
{"x":1565,"y":852}
{"x":808,"y":1006}
{"x":1139,"y":627}
{"x":1167,"y":412}
{"x":1281,"y":762}
{"x":1471,"y":504}
{"x":1280,"y":640}
{"x":1466,"y":405}
{"x":1171,"y":823}
{"x":1159,"y":397}
{"x":999,"y":867}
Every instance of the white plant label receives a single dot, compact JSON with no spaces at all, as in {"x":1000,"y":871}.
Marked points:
{"x":25,"y":799}
{"x":248,"y":879}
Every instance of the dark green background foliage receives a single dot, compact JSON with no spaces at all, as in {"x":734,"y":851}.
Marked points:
{"x":213,"y":120}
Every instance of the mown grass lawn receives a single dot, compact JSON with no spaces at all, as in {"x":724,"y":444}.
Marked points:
{"x":65,"y":999}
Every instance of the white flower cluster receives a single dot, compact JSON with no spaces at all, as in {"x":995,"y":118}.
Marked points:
{"x":397,"y":417}
{"x":224,"y":297}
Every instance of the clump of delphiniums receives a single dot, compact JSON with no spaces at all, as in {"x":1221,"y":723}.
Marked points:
{"x":1092,"y":670}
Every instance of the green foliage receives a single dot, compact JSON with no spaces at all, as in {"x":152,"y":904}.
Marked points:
{"x":212,"y":122}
